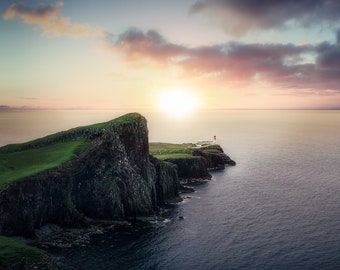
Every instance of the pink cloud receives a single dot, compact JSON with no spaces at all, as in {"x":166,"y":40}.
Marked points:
{"x":151,"y":45}
{"x":281,"y":65}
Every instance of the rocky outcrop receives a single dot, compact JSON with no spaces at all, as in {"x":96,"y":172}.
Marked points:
{"x":111,"y":178}
{"x":215,"y":157}
{"x":167,"y":183}
{"x":203,"y":160}
{"x":192,"y":168}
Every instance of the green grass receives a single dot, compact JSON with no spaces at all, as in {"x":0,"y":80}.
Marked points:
{"x":170,"y":150}
{"x":77,"y":133}
{"x":126,"y":118}
{"x":19,"y":164}
{"x":211,"y":151}
{"x":12,"y":250}
{"x":175,"y":155}
{"x":20,"y":160}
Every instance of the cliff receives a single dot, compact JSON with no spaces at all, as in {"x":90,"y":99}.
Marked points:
{"x":108,"y":174}
{"x":215,"y":157}
{"x":192,"y":163}
{"x":167,"y":182}
{"x":191,"y":168}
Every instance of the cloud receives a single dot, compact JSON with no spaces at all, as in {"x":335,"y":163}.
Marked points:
{"x":238,"y":17}
{"x":49,"y":19}
{"x":285,"y":66}
{"x":150,"y":45}
{"x":5,"y":108}
{"x":329,"y":56}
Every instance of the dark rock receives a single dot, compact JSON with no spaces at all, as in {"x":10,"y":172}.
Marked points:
{"x":44,"y":262}
{"x":215,"y":157}
{"x":112,"y":178}
{"x":195,"y":170}
{"x":191,"y":168}
{"x":166,"y":181}
{"x":231,"y":162}
{"x":186,"y":189}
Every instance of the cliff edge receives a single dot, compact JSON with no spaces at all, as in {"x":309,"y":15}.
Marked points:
{"x":192,"y":163}
{"x":103,"y":172}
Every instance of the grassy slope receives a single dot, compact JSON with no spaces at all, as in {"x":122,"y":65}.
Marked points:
{"x":127,"y":118}
{"x":184,"y":150}
{"x":11,"y":250}
{"x":16,"y":165}
{"x":21,"y":160}
{"x":170,"y":150}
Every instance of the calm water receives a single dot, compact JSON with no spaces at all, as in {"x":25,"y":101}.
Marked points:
{"x":279,"y":208}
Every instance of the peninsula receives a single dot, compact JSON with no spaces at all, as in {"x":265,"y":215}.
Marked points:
{"x":106,"y":171}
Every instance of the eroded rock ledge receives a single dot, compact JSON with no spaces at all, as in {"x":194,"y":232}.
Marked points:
{"x":196,"y":169}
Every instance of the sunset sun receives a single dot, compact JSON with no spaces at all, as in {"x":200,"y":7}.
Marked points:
{"x":177,"y":101}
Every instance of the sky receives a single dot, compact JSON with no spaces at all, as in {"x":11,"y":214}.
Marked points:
{"x":113,"y":54}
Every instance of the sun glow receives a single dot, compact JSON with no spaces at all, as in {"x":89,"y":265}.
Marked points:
{"x":177,"y":101}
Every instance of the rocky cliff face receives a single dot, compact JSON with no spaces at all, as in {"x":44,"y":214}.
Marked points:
{"x":203,"y":160}
{"x":167,"y":183}
{"x":111,"y":178}
{"x":191,"y":168}
{"x":215,"y":157}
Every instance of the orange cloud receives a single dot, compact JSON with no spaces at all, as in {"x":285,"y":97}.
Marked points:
{"x":49,"y":19}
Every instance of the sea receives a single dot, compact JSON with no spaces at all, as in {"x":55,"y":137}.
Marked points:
{"x":277,"y":209}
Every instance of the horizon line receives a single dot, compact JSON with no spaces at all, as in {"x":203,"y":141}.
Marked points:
{"x":26,"y":108}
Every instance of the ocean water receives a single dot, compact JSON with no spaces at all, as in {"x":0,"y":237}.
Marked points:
{"x":278,"y":208}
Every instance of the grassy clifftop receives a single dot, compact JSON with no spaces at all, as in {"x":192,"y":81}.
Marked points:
{"x":169,"y":150}
{"x":21,"y":160}
{"x":12,"y":251}
{"x":19,"y":164}
{"x":78,"y":133}
{"x":192,"y":162}
{"x":185,"y":150}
